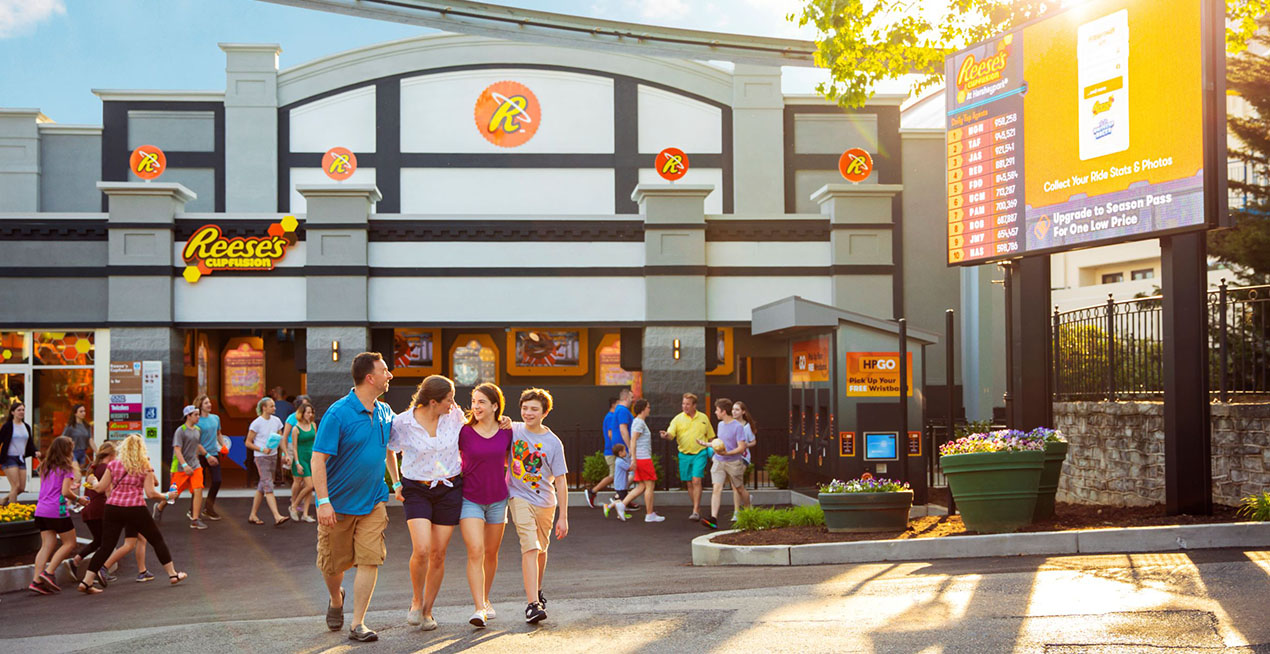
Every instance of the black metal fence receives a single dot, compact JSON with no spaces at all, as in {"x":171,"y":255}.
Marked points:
{"x":1113,"y":351}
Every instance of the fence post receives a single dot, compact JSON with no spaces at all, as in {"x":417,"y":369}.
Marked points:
{"x":1223,"y":349}
{"x":1057,"y":349}
{"x":1111,"y":348}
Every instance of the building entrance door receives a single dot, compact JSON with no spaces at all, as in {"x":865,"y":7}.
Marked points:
{"x":15,"y":386}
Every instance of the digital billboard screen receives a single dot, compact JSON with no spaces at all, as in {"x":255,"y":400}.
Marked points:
{"x":1081,"y":128}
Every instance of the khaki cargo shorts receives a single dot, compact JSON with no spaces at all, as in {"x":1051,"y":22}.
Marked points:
{"x":533,"y":524}
{"x":353,"y":540}
{"x":732,"y":471}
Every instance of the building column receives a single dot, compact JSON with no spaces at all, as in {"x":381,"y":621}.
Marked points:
{"x":674,"y":293}
{"x":758,"y":140}
{"x":251,"y":126}
{"x":141,"y":265}
{"x":338,"y":311}
{"x":20,"y":163}
{"x":860,"y":242}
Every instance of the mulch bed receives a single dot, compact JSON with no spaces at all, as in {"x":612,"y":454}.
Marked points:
{"x":1067,"y":517}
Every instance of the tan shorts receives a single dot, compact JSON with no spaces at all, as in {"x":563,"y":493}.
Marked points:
{"x":732,"y":471}
{"x":352,"y":540}
{"x":533,"y":524}
{"x":611,"y":459}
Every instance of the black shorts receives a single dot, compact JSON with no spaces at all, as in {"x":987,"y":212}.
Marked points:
{"x":440,"y":504}
{"x":58,"y":525}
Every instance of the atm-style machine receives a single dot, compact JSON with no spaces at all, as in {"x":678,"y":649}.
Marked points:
{"x":844,"y":401}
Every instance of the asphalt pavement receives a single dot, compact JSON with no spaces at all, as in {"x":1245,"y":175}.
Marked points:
{"x":629,"y":587}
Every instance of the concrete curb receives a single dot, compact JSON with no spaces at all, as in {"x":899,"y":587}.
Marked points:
{"x":1096,"y":541}
{"x":18,"y":577}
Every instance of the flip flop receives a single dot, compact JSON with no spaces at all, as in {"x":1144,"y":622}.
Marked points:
{"x":257,"y":521}
{"x":283,"y":521}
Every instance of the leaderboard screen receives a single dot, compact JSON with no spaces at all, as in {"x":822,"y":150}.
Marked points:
{"x":1079,"y":129}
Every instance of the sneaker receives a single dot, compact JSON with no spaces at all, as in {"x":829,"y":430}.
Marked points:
{"x":414,"y":617}
{"x":710,"y":523}
{"x":634,"y":506}
{"x":144,"y":577}
{"x":189,"y":515}
{"x":307,"y":518}
{"x":654,"y":517}
{"x":105,"y":577}
{"x":694,"y":516}
{"x":478,"y":619}
{"x":590,"y":497}
{"x":429,"y":623}
{"x":157,"y":512}
{"x":607,"y":506}
{"x":362,"y":634}
{"x":198,"y":524}
{"x":489,"y":612}
{"x":621,"y":511}
{"x":542,"y":599}
{"x":535,"y":613}
{"x":733,"y":518}
{"x":295,"y":515}
{"x":211,"y":514}
{"x":41,"y":590}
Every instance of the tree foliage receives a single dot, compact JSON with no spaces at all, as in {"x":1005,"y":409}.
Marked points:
{"x":1248,"y":243}
{"x":863,"y":42}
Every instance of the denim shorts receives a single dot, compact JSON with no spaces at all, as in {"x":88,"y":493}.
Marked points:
{"x":12,"y":462}
{"x":492,"y":514}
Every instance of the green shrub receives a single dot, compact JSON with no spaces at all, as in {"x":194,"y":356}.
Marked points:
{"x":757,"y":519}
{"x":594,"y":468}
{"x":749,"y":473}
{"x":778,"y":470}
{"x":1256,"y":507}
{"x":661,"y":474}
{"x":972,"y":427}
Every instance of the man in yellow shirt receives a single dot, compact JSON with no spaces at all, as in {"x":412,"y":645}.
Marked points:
{"x":687,"y":428}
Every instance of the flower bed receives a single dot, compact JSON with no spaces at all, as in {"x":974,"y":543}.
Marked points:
{"x":18,"y":535}
{"x":866,"y":504}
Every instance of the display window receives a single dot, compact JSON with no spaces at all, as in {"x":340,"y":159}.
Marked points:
{"x":473,"y":360}
{"x":13,"y":347}
{"x":63,"y":348}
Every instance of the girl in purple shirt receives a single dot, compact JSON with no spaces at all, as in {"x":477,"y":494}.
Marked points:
{"x":58,"y":473}
{"x":483,"y":447}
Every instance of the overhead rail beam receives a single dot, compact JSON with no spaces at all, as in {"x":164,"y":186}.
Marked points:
{"x":525,"y":25}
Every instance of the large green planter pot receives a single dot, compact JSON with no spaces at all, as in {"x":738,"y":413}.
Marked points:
{"x":860,"y":512}
{"x":1055,"y":453}
{"x":995,"y":491}
{"x":19,"y":538}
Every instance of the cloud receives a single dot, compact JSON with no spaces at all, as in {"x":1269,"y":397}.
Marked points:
{"x":17,"y":16}
{"x":663,"y":9}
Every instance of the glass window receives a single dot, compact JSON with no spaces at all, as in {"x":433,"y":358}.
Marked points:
{"x":57,"y":391}
{"x":1143,"y":274}
{"x":474,"y":362}
{"x":1113,"y":278}
{"x":64,"y":348}
{"x":12,"y":347}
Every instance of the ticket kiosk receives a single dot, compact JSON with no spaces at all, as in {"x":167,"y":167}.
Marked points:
{"x":844,"y":401}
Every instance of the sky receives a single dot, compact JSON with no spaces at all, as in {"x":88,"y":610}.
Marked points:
{"x":54,"y":52}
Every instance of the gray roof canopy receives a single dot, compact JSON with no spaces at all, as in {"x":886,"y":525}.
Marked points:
{"x":795,"y":314}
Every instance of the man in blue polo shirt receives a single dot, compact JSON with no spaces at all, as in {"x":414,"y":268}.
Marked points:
{"x":350,"y":454}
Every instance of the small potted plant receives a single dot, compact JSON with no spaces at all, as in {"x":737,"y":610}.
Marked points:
{"x":1055,"y":453}
{"x":866,"y":504}
{"x":994,"y":477}
{"x":18,"y":534}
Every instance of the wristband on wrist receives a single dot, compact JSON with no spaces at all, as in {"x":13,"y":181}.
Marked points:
{"x":323,"y":500}
{"x":396,"y":485}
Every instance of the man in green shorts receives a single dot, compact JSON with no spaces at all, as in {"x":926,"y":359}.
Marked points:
{"x":687,"y":428}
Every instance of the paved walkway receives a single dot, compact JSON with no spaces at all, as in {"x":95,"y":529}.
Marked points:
{"x":620,"y":588}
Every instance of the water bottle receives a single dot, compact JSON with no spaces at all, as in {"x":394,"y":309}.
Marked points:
{"x":172,"y":494}
{"x":77,"y":507}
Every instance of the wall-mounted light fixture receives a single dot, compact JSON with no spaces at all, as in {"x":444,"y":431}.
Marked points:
{"x":676,"y":349}
{"x":335,"y":350}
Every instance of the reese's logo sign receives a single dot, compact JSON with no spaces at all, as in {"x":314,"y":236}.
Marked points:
{"x":507,"y":114}
{"x":209,"y":250}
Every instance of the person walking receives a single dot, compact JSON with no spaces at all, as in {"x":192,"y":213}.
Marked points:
{"x":350,"y":456}
{"x":645,"y":471}
{"x":127,"y":482}
{"x":300,"y":435}
{"x":537,"y":479}
{"x":283,"y":408}
{"x":617,"y":430}
{"x":17,"y":444}
{"x":606,"y":429}
{"x":92,"y":513}
{"x":216,"y":445}
{"x":58,"y":473}
{"x":81,"y":434}
{"x":729,"y":463}
{"x":264,"y":436}
{"x":741,"y":412}
{"x":483,"y":448}
{"x":690,"y":429}
{"x":187,"y":471}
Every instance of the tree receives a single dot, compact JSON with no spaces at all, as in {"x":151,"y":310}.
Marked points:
{"x":1248,"y":244}
{"x":863,"y":42}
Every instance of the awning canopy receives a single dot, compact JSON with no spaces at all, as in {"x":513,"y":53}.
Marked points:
{"x":794,"y":315}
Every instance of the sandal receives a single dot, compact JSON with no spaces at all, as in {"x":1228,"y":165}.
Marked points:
{"x":256,"y":521}
{"x":282,"y":521}
{"x":87,"y":588}
{"x":177,"y":578}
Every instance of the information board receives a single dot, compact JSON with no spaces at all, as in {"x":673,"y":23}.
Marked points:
{"x":1085,"y":127}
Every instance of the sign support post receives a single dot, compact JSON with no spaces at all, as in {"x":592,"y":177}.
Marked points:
{"x":1188,"y":475}
{"x":1031,"y":402}
{"x":902,"y":447}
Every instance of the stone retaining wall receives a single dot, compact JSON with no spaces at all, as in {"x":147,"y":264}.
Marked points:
{"x":1117,"y":452}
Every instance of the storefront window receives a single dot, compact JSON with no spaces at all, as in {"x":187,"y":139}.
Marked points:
{"x":57,"y":391}
{"x":64,"y":348}
{"x":12,"y":347}
{"x":12,"y":387}
{"x":474,"y":360}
